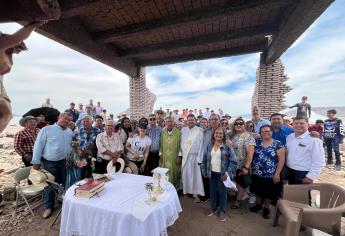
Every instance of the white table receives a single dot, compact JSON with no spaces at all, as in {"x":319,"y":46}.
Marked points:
{"x":115,"y":211}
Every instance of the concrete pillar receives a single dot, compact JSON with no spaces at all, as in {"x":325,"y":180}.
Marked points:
{"x":140,"y":98}
{"x":270,"y":87}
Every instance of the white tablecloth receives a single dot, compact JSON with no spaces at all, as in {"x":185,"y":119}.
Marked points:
{"x":119,"y":210}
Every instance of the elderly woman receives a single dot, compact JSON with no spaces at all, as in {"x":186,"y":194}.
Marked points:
{"x":267,"y":164}
{"x":243,"y":144}
{"x":10,"y":44}
{"x":219,"y":163}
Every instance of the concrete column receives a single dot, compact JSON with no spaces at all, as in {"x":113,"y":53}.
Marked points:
{"x":270,"y":87}
{"x":140,"y":98}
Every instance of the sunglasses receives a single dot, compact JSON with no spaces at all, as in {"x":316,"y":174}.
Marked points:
{"x":151,"y":119}
{"x":239,"y":123}
{"x":224,"y":123}
{"x":251,"y":126}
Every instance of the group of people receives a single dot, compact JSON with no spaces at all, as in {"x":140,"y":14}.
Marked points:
{"x":201,"y":153}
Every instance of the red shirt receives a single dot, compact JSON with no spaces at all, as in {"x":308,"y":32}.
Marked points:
{"x":24,"y":141}
{"x":316,"y":128}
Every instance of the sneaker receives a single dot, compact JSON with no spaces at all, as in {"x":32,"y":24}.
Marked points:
{"x":266,"y":213}
{"x":47,"y":213}
{"x":255,"y":208}
{"x":222,"y":216}
{"x":212,"y":213}
{"x":338,"y":167}
{"x":252,"y":199}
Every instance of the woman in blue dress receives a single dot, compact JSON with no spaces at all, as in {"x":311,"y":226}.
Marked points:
{"x":74,"y":165}
{"x":267,"y":164}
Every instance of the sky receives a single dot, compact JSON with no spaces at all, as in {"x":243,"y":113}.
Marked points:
{"x":315,"y":65}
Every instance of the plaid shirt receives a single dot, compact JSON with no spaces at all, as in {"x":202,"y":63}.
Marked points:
{"x":24,"y":141}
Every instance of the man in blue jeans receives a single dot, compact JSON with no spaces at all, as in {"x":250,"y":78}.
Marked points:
{"x":333,"y":135}
{"x":51,"y":147}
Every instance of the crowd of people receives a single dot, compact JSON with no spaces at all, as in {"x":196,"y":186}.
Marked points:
{"x":201,"y":149}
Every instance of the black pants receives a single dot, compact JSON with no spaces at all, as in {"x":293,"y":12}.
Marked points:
{"x":333,"y":144}
{"x":101,"y":166}
{"x":152,"y":162}
{"x":295,"y":176}
{"x":138,"y":164}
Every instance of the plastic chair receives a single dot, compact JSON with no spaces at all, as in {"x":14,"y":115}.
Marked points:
{"x":326,"y":218}
{"x":59,"y":191}
{"x":26,"y":191}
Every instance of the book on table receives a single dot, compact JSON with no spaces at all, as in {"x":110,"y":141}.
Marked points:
{"x":89,"y":189}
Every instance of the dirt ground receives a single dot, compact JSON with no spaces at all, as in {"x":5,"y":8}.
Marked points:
{"x":192,"y":221}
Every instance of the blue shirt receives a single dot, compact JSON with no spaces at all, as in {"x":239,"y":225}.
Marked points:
{"x":282,"y":134}
{"x":52,"y":143}
{"x":87,"y":140}
{"x":265,"y":160}
{"x":259,"y":124}
{"x":154,"y":134}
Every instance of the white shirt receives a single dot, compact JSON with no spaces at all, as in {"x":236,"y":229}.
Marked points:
{"x":138,"y":145}
{"x":216,"y":160}
{"x":305,"y":153}
{"x":106,"y":143}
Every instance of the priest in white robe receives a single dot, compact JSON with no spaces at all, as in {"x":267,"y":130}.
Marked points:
{"x":191,"y":145}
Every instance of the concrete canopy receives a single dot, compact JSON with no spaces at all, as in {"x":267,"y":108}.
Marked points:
{"x":129,"y":34}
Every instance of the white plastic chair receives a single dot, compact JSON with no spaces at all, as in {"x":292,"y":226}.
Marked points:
{"x":26,"y":191}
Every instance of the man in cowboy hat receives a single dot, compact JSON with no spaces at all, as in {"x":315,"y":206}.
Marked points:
{"x":25,"y":139}
{"x":110,"y":147}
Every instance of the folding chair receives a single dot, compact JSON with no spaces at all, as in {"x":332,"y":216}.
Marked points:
{"x":26,"y":191}
{"x":59,"y":191}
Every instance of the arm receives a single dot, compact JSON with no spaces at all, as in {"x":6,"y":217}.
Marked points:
{"x":13,"y":40}
{"x":296,"y":105}
{"x":317,"y":161}
{"x":204,"y":162}
{"x":129,"y":149}
{"x":249,"y":159}
{"x":341,"y":131}
{"x":309,"y":110}
{"x":38,"y":149}
{"x":281,"y":162}
{"x":232,"y":163}
{"x":146,"y":154}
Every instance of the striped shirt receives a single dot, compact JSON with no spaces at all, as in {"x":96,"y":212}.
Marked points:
{"x":155,"y":135}
{"x":24,"y":141}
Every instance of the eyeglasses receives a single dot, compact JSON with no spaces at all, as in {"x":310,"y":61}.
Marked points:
{"x":151,"y":119}
{"x":224,"y":123}
{"x":251,"y":126}
{"x":239,"y":123}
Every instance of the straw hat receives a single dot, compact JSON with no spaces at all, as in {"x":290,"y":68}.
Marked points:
{"x":131,"y":168}
{"x":117,"y":167}
{"x":23,"y":120}
{"x":39,"y":177}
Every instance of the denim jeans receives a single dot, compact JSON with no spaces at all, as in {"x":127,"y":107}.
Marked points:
{"x":218,"y":194}
{"x":333,"y":143}
{"x":58,"y":170}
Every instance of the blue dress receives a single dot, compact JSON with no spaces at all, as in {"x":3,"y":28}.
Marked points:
{"x":264,"y":165}
{"x":74,"y":172}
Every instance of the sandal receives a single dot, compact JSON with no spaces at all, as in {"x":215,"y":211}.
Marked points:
{"x":236,"y":204}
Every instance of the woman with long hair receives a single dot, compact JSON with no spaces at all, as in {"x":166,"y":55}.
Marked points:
{"x":219,"y":163}
{"x":243,"y":144}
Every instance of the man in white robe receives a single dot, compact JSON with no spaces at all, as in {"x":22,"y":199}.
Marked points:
{"x":191,"y":144}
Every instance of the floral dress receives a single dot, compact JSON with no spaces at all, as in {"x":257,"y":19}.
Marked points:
{"x":265,"y":159}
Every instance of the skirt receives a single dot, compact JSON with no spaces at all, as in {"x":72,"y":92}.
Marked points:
{"x":266,"y":188}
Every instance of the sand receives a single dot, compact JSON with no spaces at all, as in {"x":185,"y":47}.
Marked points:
{"x":192,"y":221}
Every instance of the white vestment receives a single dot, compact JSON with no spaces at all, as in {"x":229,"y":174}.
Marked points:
{"x":191,"y":144}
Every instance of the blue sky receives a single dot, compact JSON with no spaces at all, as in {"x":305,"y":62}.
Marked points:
{"x":315,"y":65}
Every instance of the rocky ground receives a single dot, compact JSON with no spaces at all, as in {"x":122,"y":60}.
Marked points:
{"x":192,"y":217}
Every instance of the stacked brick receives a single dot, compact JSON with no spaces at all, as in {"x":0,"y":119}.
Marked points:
{"x":140,"y":97}
{"x":270,"y":88}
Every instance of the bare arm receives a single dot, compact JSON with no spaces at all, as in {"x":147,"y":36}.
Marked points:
{"x":281,"y":162}
{"x":12,"y":40}
{"x":249,"y":158}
